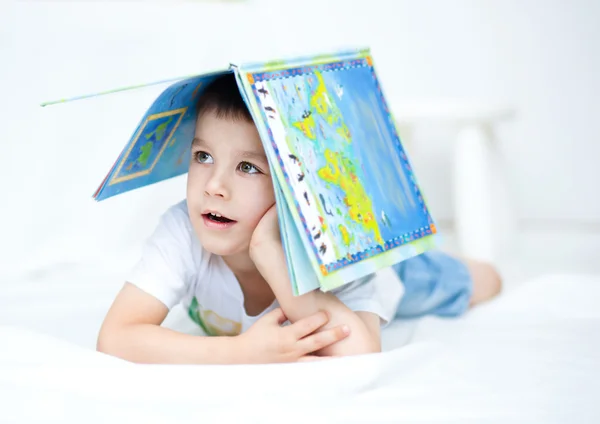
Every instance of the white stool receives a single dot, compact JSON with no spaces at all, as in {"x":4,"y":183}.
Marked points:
{"x":482,"y":211}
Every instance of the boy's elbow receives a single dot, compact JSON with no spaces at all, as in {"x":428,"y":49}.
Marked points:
{"x":363,"y":349}
{"x":369,"y":346}
{"x":103,"y":342}
{"x":107,"y":341}
{"x":358,"y":345}
{"x":375,"y":348}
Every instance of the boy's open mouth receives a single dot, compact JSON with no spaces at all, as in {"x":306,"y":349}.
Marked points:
{"x":217,"y":218}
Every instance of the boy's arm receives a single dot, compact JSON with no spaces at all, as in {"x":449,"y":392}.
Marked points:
{"x":131,"y":331}
{"x":364,"y":326}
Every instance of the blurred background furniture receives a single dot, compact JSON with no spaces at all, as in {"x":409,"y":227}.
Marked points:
{"x":482,"y":213}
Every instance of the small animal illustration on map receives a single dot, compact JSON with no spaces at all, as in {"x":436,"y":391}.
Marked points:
{"x":328,"y":212}
{"x":263,"y":91}
{"x":322,"y":248}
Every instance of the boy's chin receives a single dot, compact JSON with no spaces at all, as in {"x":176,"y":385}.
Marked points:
{"x":221,"y":248}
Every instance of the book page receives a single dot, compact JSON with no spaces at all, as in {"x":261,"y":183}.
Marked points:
{"x":348,"y":176}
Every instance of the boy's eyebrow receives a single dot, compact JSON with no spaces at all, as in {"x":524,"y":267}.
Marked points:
{"x":253,"y":154}
{"x":198,"y":142}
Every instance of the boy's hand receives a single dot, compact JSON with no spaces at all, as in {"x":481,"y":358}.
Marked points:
{"x":268,"y":342}
{"x":267,"y":230}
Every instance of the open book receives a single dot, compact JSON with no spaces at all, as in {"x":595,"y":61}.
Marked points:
{"x":347,"y":199}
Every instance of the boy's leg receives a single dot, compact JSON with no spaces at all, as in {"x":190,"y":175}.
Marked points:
{"x":438,"y":284}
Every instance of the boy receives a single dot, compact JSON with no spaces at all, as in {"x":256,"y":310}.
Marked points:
{"x":220,"y":254}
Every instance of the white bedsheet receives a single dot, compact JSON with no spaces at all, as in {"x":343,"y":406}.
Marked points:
{"x":530,"y":356}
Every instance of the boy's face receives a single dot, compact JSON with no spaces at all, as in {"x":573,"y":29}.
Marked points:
{"x":228,"y":176}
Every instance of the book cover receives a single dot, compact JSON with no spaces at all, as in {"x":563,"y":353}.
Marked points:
{"x":347,"y":197}
{"x":349,"y":189}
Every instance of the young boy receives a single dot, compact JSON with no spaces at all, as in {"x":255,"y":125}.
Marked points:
{"x":220,"y":254}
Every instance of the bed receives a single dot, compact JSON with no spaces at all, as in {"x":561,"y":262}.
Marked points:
{"x":531,"y":355}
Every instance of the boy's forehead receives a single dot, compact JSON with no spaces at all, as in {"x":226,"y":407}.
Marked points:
{"x":208,"y":125}
{"x":235,"y":133}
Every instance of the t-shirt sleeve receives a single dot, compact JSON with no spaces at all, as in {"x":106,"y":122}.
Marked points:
{"x":166,"y":266}
{"x":378,"y":293}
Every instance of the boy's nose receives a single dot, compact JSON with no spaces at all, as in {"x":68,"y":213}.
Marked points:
{"x":216,"y":186}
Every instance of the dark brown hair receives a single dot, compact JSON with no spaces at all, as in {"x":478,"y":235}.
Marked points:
{"x":222,"y":97}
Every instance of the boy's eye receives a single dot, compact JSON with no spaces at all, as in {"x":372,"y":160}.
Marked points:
{"x":248,"y":168}
{"x":203,"y":157}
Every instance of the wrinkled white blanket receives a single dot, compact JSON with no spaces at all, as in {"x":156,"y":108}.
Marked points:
{"x":533,"y":355}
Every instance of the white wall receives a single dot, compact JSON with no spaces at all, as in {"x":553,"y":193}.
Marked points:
{"x":541,"y":56}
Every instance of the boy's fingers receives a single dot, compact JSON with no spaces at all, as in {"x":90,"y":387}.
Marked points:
{"x":309,"y":324}
{"x":276,"y":315}
{"x":318,"y":341}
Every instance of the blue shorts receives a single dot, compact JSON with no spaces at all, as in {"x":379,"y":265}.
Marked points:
{"x":435,"y":284}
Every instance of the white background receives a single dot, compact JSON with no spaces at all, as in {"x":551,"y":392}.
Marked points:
{"x":542,"y":57}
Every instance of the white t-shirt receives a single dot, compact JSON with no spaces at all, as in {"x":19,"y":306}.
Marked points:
{"x":175,"y":268}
